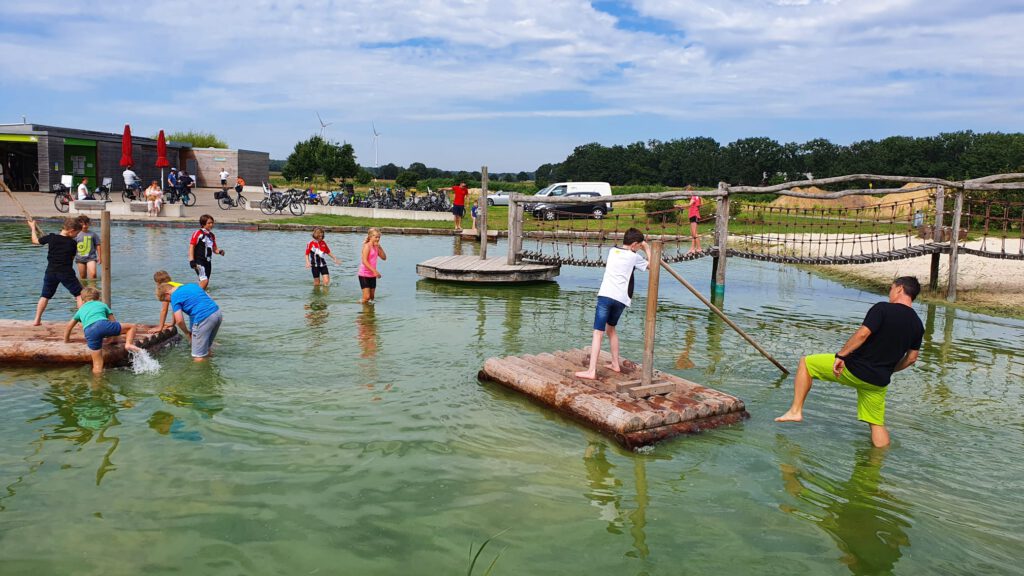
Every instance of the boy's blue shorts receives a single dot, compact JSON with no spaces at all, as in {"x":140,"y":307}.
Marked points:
{"x":608,"y":312}
{"x":68,"y":279}
{"x":98,"y":330}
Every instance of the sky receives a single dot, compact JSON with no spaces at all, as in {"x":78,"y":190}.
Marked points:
{"x":513,"y":84}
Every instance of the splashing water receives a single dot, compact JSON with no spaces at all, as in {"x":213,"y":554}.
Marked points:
{"x":143,"y":363}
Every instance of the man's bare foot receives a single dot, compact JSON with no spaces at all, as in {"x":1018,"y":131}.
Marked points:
{"x":37,"y":323}
{"x":790,"y":416}
{"x":613,"y":367}
{"x":586,"y":375}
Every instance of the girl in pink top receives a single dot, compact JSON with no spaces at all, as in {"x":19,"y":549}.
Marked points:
{"x":694,"y":213}
{"x":368,"y":273}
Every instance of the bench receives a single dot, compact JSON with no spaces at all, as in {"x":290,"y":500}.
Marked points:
{"x":97,"y":205}
{"x":137,"y":206}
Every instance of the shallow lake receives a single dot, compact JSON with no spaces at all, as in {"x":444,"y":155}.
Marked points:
{"x":326,"y":437}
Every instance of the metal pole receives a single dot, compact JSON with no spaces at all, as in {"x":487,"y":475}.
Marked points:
{"x":724,"y":317}
{"x":940,"y":200}
{"x":482,"y":213}
{"x":954,"y":245}
{"x":654,"y":273}
{"x":105,"y":255}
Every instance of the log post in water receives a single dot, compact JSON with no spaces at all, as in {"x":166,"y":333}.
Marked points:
{"x":721,"y":239}
{"x":940,"y":199}
{"x":654,"y":271}
{"x":105,"y":254}
{"x":482,"y":213}
{"x":954,"y":245}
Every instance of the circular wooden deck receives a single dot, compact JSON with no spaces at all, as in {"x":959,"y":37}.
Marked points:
{"x":494,"y":270}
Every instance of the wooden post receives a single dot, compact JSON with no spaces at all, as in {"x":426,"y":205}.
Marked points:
{"x":105,"y":255}
{"x":721,"y":240}
{"x":940,"y":201}
{"x":954,"y":245}
{"x":482,"y":213}
{"x":654,"y":273}
{"x":515,"y":231}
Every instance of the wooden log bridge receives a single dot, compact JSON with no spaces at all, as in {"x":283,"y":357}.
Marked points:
{"x":616,"y":403}
{"x":25,"y":344}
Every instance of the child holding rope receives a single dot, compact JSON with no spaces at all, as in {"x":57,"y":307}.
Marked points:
{"x":59,"y":263}
{"x":614,"y":297}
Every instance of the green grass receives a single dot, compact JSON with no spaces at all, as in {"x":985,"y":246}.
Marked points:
{"x":355,"y":221}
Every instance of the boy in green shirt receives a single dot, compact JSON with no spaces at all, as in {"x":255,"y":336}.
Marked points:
{"x":98,"y":322}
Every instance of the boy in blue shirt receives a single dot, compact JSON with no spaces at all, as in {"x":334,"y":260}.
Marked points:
{"x":203,"y":313}
{"x":98,"y":322}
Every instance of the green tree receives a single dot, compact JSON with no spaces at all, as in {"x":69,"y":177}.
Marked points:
{"x":407,"y":179}
{"x":363,"y":176}
{"x":319,"y":157}
{"x":196,"y":139}
{"x":388,"y":172}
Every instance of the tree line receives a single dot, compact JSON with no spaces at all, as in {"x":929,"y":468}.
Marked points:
{"x":702,"y":161}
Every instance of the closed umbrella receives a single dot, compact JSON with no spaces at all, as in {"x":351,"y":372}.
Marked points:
{"x":126,"y":147}
{"x":161,"y":156}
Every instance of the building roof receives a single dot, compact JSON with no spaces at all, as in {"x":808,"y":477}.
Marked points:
{"x":44,"y":130}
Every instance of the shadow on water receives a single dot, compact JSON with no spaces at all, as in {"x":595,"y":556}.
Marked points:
{"x":868,"y":523}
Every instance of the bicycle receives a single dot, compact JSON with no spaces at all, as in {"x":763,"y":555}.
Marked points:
{"x":62,"y":198}
{"x":278,"y":201}
{"x":132,"y":192}
{"x":225,"y":201}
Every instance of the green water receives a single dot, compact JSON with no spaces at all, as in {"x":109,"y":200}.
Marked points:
{"x":329,"y":438}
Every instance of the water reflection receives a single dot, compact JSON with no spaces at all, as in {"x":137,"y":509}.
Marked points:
{"x":366,"y":326}
{"x":85,"y":409}
{"x":201,"y":394}
{"x":317,"y":313}
{"x":867,"y":522}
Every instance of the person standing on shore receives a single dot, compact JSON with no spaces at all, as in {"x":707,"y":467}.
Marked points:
{"x":459,"y":192}
{"x":224,"y":178}
{"x":888,"y":341}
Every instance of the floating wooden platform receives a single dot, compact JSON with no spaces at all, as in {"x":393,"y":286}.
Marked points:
{"x":492,"y":270}
{"x":473,"y":233}
{"x":616,"y":404}
{"x":23,"y":343}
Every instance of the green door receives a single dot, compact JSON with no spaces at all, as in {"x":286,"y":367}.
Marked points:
{"x":80,"y":161}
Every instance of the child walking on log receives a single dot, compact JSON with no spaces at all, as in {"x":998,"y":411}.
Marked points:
{"x":59,"y":263}
{"x":162,"y":277}
{"x":614,"y":297}
{"x":98,"y":322}
{"x":88,"y":255}
{"x":368,"y":273}
{"x":201,"y":249}
{"x":316,"y":251}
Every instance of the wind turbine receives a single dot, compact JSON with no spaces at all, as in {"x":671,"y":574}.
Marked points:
{"x":323,"y":125}
{"x":376,"y":138}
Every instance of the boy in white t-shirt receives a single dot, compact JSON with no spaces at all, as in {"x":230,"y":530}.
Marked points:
{"x":615,"y":296}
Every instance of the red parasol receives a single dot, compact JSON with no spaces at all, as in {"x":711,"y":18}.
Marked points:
{"x":161,"y":151}
{"x":126,"y":147}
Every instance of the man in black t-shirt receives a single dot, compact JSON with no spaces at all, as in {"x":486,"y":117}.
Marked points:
{"x":59,"y":263}
{"x":887,"y":341}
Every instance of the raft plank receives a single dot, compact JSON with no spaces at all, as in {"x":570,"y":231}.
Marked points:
{"x":640,"y":415}
{"x":25,"y":344}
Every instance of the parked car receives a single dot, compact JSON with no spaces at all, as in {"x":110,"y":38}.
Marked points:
{"x":596,"y":208}
{"x":499,"y":198}
{"x":563,"y":188}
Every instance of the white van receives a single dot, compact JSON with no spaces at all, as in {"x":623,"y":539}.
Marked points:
{"x":564,"y":188}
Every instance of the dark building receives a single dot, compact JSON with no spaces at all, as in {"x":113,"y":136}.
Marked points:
{"x":35,"y":156}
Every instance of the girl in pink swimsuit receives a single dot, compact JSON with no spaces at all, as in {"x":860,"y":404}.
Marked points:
{"x":694,"y":213}
{"x":368,"y":273}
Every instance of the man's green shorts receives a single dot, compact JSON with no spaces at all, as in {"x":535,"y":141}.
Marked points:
{"x":870,"y":398}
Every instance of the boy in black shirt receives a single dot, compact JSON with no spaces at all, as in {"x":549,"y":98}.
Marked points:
{"x":60,"y":260}
{"x":887,"y":341}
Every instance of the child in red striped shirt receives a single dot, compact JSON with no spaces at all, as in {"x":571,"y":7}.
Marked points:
{"x":316,"y":257}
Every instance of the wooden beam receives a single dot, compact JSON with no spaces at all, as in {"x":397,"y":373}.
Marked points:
{"x":654,"y":274}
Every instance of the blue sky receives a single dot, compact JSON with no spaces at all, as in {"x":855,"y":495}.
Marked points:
{"x":516,"y":83}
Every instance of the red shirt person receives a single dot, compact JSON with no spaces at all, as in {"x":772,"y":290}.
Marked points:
{"x":459,"y":192}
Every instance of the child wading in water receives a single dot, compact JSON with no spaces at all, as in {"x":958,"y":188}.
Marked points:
{"x":368,"y":273}
{"x":162,"y":277}
{"x":316,"y":252}
{"x":614,"y":297}
{"x":59,"y":259}
{"x":88,"y":256}
{"x":98,"y":322}
{"x":201,"y":248}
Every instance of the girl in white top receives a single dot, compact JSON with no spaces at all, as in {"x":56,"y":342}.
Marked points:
{"x":614,"y":297}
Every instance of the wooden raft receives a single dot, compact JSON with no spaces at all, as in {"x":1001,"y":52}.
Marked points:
{"x":615,"y":403}
{"x":491,"y":270}
{"x":23,"y":343}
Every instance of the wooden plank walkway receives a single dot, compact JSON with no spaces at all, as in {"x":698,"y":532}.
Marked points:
{"x":492,"y":270}
{"x":23,"y":343}
{"x":615,"y":404}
